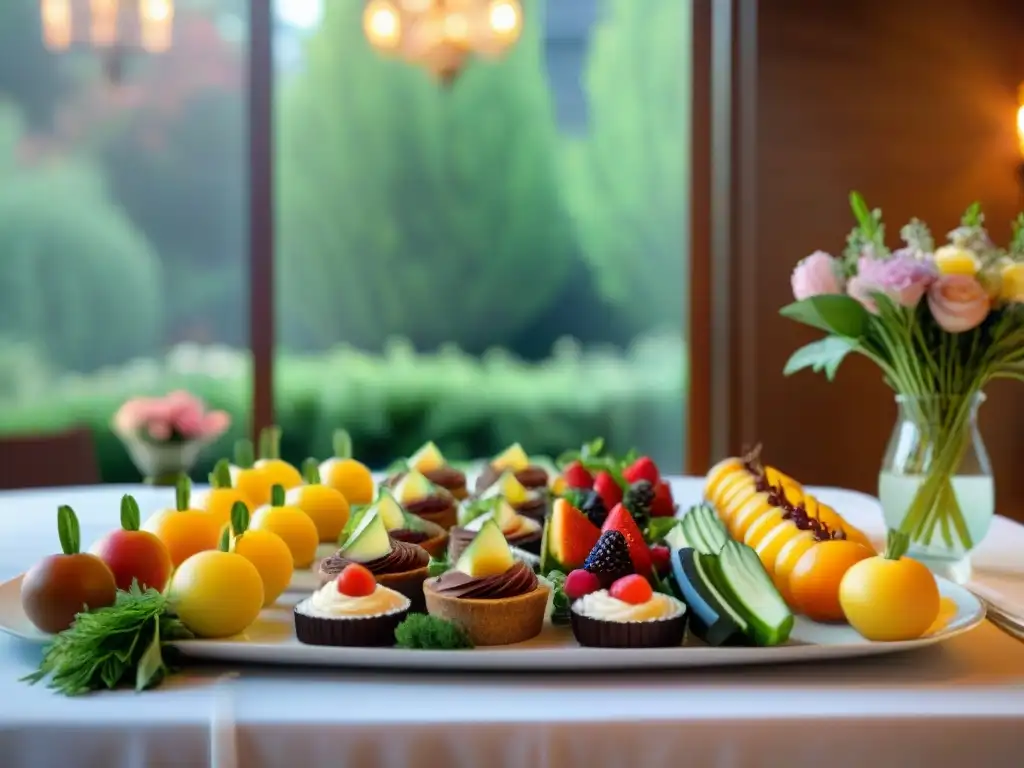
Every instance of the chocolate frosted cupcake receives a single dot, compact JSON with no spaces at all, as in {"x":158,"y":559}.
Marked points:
{"x":430,"y":463}
{"x":529,"y":502}
{"x":367,"y":619}
{"x":430,"y":502}
{"x":602,"y":621}
{"x":519,"y":531}
{"x":512,"y":459}
{"x":494,"y":597}
{"x":395,"y":564}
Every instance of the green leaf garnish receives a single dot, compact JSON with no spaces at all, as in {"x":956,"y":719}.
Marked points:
{"x":244,"y":454}
{"x":658,"y":527}
{"x":438,"y":565}
{"x":342,"y":444}
{"x":106,"y":648}
{"x":311,"y":471}
{"x":477,"y":508}
{"x":130,"y":515}
{"x":239,"y":518}
{"x":561,"y":604}
{"x":896,"y":544}
{"x":277,"y":495}
{"x":68,"y":531}
{"x":221,"y":475}
{"x":425,"y":632}
{"x":182,"y":492}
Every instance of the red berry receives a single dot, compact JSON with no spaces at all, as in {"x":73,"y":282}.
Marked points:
{"x":663,"y":505}
{"x":660,"y":558}
{"x":356,"y":581}
{"x":577,"y":476}
{"x":632,"y":589}
{"x":579,"y":583}
{"x":643,"y":468}
{"x":609,"y":490}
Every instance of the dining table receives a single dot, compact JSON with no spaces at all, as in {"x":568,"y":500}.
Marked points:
{"x":955,"y":703}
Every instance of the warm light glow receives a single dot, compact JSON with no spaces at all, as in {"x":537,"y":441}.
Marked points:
{"x":382,"y":23}
{"x":417,"y":6}
{"x":156,"y":24}
{"x":103,"y":22}
{"x":456,"y":28}
{"x":1020,"y":120}
{"x":56,"y":23}
{"x":505,"y":18}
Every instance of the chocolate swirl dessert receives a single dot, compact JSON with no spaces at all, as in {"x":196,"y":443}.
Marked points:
{"x":517,"y":580}
{"x":449,"y":478}
{"x":531,"y":476}
{"x":403,"y":569}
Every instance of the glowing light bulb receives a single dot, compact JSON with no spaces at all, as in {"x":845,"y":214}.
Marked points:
{"x":505,"y":18}
{"x":156,"y":21}
{"x":382,"y":24}
{"x":56,"y":23}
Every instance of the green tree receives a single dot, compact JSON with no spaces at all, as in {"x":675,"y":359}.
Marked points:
{"x":77,"y":279}
{"x":413,"y":209}
{"x":627,"y":181}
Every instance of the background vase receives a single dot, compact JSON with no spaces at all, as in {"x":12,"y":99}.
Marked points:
{"x":162,"y":463}
{"x":936,"y":481}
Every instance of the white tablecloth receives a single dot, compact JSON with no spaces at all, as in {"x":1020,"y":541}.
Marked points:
{"x":961,"y":702}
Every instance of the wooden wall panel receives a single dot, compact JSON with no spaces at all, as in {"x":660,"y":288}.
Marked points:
{"x":913,"y":104}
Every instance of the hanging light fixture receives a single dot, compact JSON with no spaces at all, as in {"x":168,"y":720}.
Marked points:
{"x":112,"y":26}
{"x":441,"y":35}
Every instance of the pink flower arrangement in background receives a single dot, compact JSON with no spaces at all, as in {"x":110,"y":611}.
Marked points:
{"x":817,"y":275}
{"x":958,"y":303}
{"x":903,"y":277}
{"x":177,"y":417}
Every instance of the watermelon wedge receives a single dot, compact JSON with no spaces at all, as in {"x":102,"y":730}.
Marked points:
{"x":568,"y":538}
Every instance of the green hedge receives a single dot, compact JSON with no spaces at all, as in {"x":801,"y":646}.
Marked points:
{"x":393,"y":402}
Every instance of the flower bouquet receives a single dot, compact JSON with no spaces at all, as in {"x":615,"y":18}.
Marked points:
{"x":165,"y":435}
{"x":940,"y":323}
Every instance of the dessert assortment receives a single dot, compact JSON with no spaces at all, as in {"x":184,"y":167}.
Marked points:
{"x":597,"y":550}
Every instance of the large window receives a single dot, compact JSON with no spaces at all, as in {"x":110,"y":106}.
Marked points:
{"x":122,"y":224}
{"x":500,"y":259}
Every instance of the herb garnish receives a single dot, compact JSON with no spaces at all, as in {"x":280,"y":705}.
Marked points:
{"x":561,"y":604}
{"x":424,"y":632}
{"x":112,"y":645}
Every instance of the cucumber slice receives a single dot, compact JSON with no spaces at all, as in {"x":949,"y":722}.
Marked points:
{"x":676,"y":538}
{"x":712,"y":529}
{"x":711,"y":620}
{"x":694,"y":531}
{"x":746,"y":585}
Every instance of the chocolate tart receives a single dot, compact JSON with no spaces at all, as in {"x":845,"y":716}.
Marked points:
{"x":459,"y":539}
{"x":497,"y":620}
{"x":441,"y":509}
{"x":449,"y":478}
{"x":653,"y":633}
{"x":408,"y":580}
{"x":352,"y":631}
{"x":434,"y":539}
{"x":531,"y":477}
{"x":535,"y":509}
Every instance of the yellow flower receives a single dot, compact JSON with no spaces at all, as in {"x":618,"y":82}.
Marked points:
{"x":1012,"y":288}
{"x":954,"y":260}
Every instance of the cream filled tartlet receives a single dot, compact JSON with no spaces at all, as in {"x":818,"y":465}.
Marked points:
{"x":395,"y":564}
{"x":351,"y":610}
{"x":512,"y":459}
{"x":431,"y":463}
{"x":497,"y":599}
{"x":426,"y":500}
{"x":519,"y":531}
{"x":627,"y":615}
{"x":530,"y":502}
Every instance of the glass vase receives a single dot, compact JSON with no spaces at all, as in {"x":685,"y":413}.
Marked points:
{"x":162,"y":463}
{"x":936,"y":482}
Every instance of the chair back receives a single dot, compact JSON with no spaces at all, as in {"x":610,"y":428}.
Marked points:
{"x":54,"y":459}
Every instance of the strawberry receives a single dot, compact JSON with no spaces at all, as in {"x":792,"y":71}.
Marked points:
{"x":663,"y":505}
{"x":609,"y":490}
{"x":620,"y":520}
{"x":577,"y":476}
{"x":643,"y":468}
{"x":661,"y":558}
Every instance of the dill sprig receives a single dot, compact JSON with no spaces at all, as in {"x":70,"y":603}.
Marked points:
{"x":113,"y":645}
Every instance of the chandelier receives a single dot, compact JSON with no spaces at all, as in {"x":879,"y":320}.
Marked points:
{"x":114,"y":25}
{"x":441,"y":35}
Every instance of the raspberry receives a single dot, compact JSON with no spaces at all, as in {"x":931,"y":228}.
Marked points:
{"x":608,"y":489}
{"x":643,"y":468}
{"x":632,"y":589}
{"x":661,"y":558}
{"x":356,"y":581}
{"x":577,"y":476}
{"x":638,"y":500}
{"x":579,"y":583}
{"x":592,"y":506}
{"x":609,"y":559}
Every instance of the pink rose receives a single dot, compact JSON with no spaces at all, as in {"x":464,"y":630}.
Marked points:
{"x":159,"y":430}
{"x":818,"y":274}
{"x":902,"y":277}
{"x":958,"y":303}
{"x":214,"y":424}
{"x":188,"y":422}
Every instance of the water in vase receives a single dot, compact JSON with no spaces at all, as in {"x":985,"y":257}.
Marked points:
{"x":976,"y":496}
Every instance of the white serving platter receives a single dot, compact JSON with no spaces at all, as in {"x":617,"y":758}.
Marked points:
{"x":271,"y":640}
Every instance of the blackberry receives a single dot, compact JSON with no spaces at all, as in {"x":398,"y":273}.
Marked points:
{"x":593,"y":507}
{"x":609,"y":559}
{"x":638,"y":500}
